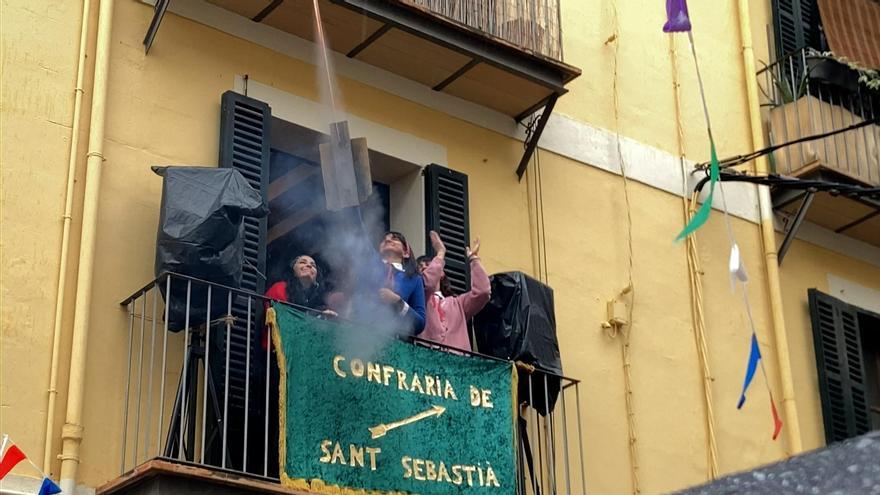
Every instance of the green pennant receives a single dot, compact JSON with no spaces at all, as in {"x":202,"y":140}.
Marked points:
{"x":703,"y":213}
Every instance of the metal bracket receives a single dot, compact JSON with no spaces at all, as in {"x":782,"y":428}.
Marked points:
{"x":158,"y":13}
{"x":795,"y":225}
{"x":535,"y":135}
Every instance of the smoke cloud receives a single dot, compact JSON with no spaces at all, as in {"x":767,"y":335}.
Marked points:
{"x":348,"y":243}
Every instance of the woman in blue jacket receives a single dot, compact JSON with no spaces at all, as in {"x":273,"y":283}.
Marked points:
{"x":402,"y":288}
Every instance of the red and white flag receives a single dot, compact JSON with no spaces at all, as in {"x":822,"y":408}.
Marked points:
{"x":12,"y":455}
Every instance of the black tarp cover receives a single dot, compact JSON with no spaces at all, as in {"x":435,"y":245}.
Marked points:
{"x":519,"y":324}
{"x":201,"y":233}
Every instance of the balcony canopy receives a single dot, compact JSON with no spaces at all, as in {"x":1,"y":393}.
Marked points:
{"x":501,"y":54}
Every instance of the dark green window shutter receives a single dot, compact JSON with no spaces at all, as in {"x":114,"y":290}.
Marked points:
{"x":841,"y":368}
{"x":244,"y":146}
{"x":796,"y":23}
{"x":446,"y":210}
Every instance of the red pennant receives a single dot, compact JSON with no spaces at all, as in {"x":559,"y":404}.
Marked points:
{"x":12,"y":457}
{"x":777,"y":423}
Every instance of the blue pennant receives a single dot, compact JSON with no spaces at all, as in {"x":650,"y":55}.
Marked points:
{"x":754,"y":357}
{"x":48,"y":487}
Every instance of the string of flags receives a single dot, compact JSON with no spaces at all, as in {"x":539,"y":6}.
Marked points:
{"x":12,"y":456}
{"x":678,"y":21}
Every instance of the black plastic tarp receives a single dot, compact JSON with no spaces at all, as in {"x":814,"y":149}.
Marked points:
{"x":519,"y":324}
{"x":201,"y":234}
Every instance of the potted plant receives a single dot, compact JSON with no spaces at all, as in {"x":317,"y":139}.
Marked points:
{"x":826,"y":68}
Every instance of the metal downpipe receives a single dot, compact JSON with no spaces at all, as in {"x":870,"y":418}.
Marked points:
{"x":768,"y":236}
{"x":72,"y":431}
{"x":65,"y":237}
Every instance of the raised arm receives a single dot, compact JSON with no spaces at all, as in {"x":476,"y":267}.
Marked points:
{"x":473,"y":300}
{"x":434,"y":272}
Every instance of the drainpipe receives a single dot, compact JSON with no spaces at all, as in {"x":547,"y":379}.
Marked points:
{"x":768,"y":235}
{"x":65,"y":236}
{"x":71,"y":434}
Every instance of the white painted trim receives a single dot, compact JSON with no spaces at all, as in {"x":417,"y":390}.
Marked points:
{"x":574,"y":139}
{"x":594,"y":146}
{"x":853,"y":293}
{"x":16,"y":484}
{"x":408,"y":209}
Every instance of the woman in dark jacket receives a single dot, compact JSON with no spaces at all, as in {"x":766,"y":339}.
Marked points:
{"x":300,"y":285}
{"x":301,"y":288}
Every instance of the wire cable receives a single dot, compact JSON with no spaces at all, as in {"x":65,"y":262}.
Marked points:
{"x":695,"y":281}
{"x":627,"y":331}
{"x":783,"y":182}
{"x":742,"y":159}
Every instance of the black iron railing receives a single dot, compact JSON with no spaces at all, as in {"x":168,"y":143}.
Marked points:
{"x":198,"y":388}
{"x":808,"y":93}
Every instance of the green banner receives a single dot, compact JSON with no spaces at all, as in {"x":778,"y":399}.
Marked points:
{"x":364,"y":412}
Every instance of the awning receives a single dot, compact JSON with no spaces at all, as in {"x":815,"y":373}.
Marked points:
{"x":852,"y":28}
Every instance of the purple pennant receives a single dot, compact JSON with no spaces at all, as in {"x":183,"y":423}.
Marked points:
{"x":677,"y":20}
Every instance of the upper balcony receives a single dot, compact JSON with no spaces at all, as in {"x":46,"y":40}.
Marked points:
{"x":809,"y":94}
{"x":502,"y":54}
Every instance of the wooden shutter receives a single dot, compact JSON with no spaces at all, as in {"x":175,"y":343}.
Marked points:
{"x":244,"y":146}
{"x":797,"y":25}
{"x":839,"y":359}
{"x":446,"y":208}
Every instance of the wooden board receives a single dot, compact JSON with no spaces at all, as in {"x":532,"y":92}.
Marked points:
{"x":835,"y":212}
{"x":247,"y":9}
{"x":809,"y":170}
{"x":868,"y":231}
{"x":344,"y":28}
{"x":413,"y":57}
{"x":289,"y":180}
{"x":209,"y":477}
{"x":498,"y":89}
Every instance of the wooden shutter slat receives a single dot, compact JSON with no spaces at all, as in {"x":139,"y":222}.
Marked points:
{"x":446,"y":208}
{"x":796,"y":24}
{"x":840,"y":366}
{"x":244,"y":146}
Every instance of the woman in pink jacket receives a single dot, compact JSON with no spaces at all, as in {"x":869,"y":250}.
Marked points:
{"x":446,"y":313}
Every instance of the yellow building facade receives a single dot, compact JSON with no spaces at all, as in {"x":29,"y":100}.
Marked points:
{"x":573,"y":221}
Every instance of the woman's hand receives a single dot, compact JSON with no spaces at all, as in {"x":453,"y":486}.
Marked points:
{"x":388,"y":296}
{"x":437,"y":244}
{"x":473,"y":252}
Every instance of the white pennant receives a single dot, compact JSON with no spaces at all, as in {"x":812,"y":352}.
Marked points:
{"x":736,"y":268}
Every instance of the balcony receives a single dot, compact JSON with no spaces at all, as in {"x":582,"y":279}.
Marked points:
{"x":808,"y":94}
{"x":531,"y":26}
{"x":502,"y":54}
{"x":172,"y":442}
